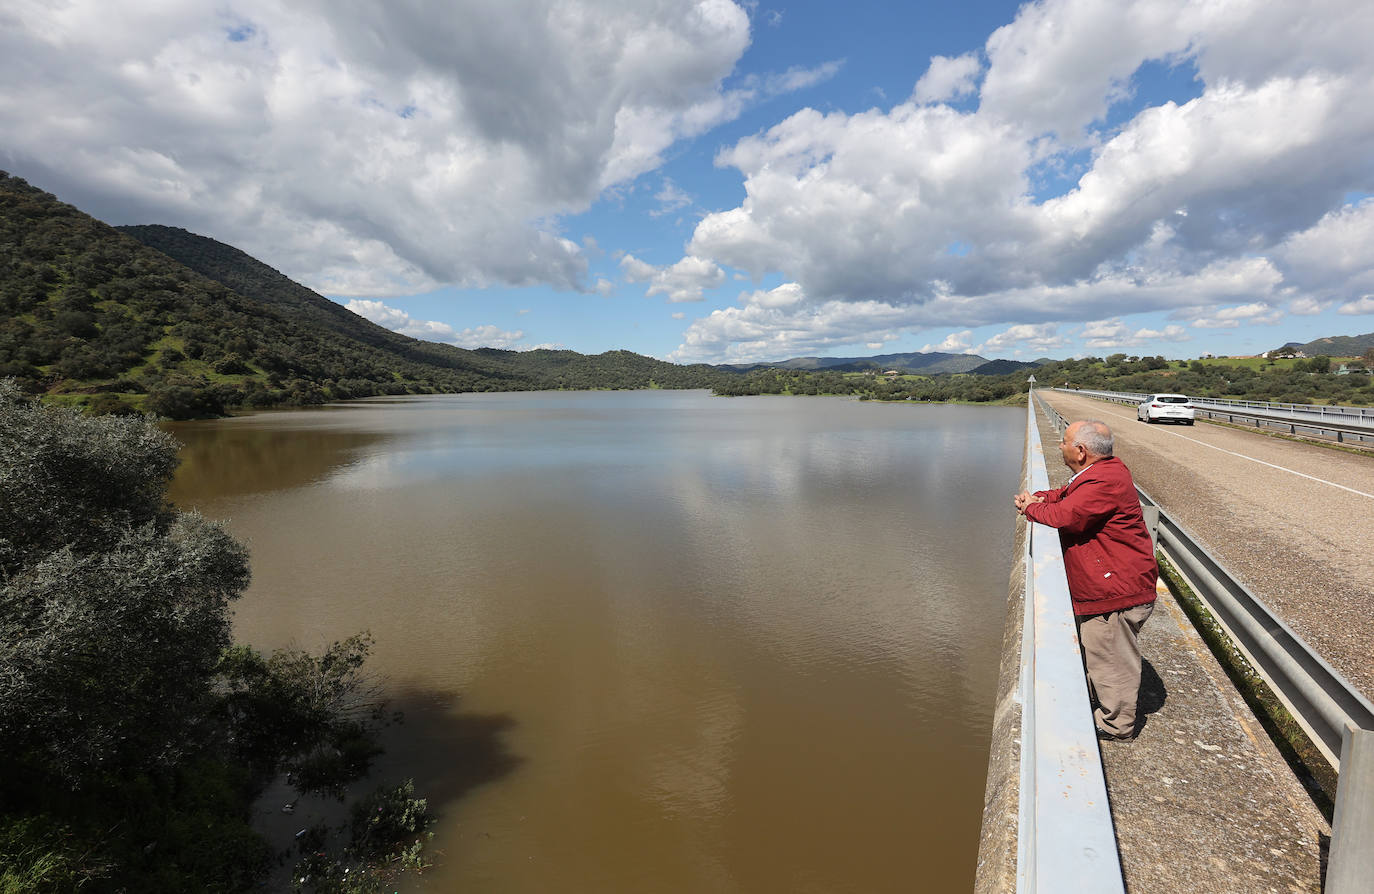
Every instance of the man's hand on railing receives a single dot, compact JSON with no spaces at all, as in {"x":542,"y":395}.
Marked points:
{"x":1024,"y":499}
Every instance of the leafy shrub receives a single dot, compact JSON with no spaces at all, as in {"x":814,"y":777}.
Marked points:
{"x":134,"y":738}
{"x":109,"y":405}
{"x":231,"y":365}
{"x":388,"y":831}
{"x":187,"y":401}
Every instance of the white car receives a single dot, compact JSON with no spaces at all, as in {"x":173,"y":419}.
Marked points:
{"x":1166,"y":408}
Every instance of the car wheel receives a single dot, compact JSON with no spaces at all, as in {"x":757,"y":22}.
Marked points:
{"x":1190,"y":422}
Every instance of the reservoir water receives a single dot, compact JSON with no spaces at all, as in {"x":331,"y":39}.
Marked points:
{"x":648,"y":641}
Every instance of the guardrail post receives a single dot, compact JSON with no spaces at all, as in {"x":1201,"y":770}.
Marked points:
{"x":1350,"y":868}
{"x":1151,"y":514}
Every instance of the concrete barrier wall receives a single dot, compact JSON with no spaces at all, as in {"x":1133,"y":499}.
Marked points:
{"x":1001,"y":797}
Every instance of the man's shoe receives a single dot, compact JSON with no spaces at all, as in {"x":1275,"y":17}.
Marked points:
{"x":1105,"y":736}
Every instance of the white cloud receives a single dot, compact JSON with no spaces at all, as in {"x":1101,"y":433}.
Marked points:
{"x":948,"y":78}
{"x":1243,"y":164}
{"x":891,"y":205}
{"x":670,"y":198}
{"x":1059,"y":66}
{"x":1232,"y":317}
{"x":1062,"y":64}
{"x":399,"y":321}
{"x":366,"y":149}
{"x":683,"y":281}
{"x":1113,"y":333}
{"x":792,"y":323}
{"x":868,"y":205}
{"x":756,"y":331}
{"x":954,"y":343}
{"x":799,"y":78}
{"x":1363,"y":305}
{"x":1168,"y":333}
{"x":636,"y":270}
{"x":1036,"y":339}
{"x":1333,"y":256}
{"x":1235,"y":196}
{"x":1307,"y":306}
{"x":785,"y":295}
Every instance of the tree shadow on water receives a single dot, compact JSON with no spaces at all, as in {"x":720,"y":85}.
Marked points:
{"x":447,"y":751}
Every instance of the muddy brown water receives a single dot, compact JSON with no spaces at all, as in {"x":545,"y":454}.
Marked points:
{"x":647,"y":641}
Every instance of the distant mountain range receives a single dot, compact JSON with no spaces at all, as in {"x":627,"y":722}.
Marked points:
{"x":916,"y":362}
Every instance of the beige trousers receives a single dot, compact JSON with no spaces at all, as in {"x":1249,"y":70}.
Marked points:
{"x":1111,"y":657}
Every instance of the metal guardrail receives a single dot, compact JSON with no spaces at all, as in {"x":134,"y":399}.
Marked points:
{"x":1066,"y":839}
{"x":1363,"y":415}
{"x":1344,"y":423}
{"x":1331,"y":710}
{"x":1351,"y":863}
{"x":1322,"y":701}
{"x":1357,"y":414}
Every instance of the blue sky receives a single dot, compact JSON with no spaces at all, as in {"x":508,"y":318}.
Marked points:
{"x":706,"y":180}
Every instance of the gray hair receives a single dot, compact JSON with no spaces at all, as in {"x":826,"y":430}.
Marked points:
{"x":1095,"y":437}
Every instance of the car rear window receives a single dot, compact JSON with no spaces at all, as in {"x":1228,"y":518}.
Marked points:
{"x":1171,"y":399}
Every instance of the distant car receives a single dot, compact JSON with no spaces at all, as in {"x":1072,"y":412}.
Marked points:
{"x":1166,"y":408}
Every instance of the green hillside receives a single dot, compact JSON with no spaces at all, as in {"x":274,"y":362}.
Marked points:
{"x":512,"y":369}
{"x":185,"y":326}
{"x":1339,"y":345}
{"x":1004,"y":367}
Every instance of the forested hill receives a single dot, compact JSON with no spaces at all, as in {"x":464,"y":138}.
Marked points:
{"x":544,"y":368}
{"x":90,"y":315}
{"x":1339,"y":345}
{"x":248,"y":276}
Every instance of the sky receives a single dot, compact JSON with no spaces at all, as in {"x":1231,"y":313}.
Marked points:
{"x":728,"y":182}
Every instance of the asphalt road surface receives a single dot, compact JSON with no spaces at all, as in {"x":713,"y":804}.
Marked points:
{"x":1293,"y":521}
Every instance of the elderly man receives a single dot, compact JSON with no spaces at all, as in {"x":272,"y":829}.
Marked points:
{"x":1110,"y":565}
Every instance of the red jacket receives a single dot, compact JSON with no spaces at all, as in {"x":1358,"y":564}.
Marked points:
{"x":1108,"y":558}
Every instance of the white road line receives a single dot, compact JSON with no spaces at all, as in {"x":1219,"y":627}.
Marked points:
{"x":1270,"y":465}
